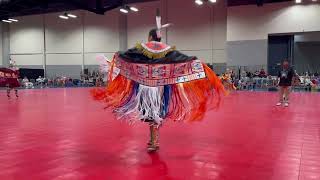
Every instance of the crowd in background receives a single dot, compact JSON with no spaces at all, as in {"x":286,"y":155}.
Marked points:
{"x":244,"y":80}
{"x":90,"y":79}
{"x":259,"y":79}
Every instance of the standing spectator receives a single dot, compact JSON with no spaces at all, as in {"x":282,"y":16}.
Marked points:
{"x":285,"y":80}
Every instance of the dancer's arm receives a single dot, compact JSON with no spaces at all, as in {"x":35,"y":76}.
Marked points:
{"x":278,"y":78}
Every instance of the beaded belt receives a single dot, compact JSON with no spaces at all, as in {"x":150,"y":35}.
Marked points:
{"x":161,"y":74}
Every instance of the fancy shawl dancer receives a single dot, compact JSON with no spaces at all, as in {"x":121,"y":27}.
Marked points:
{"x":9,"y":78}
{"x":154,"y":83}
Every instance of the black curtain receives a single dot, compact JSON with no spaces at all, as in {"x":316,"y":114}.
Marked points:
{"x":280,"y":47}
{"x":31,"y":73}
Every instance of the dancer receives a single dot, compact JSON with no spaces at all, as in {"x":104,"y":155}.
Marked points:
{"x":9,"y":79}
{"x":155,"y":83}
{"x":13,"y":82}
{"x":285,"y":81}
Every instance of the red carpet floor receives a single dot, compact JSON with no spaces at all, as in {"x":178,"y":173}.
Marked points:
{"x":62,"y":134}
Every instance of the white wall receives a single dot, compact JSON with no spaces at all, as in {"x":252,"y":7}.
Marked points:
{"x":199,"y":31}
{"x":193,"y":28}
{"x":101,"y":36}
{"x":253,"y":23}
{"x":28,"y":59}
{"x":139,"y":24}
{"x":26,"y":36}
{"x":101,"y":32}
{"x":248,"y":28}
{"x":219,"y":32}
{"x":63,"y":36}
{"x":26,"y":40}
{"x":67,"y":42}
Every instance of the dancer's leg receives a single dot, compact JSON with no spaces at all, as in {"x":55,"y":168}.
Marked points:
{"x":16,"y":92}
{"x":153,"y":145}
{"x":286,"y":96}
{"x":150,"y":134}
{"x":281,"y":93}
{"x":8,"y":91}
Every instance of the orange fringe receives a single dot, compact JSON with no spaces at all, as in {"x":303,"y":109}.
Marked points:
{"x":214,"y":81}
{"x":116,"y":93}
{"x":191,"y":100}
{"x":117,"y":90}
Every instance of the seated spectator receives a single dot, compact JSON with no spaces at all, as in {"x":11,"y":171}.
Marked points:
{"x":243,"y":74}
{"x":269,"y":81}
{"x":40,"y":81}
{"x":69,"y":83}
{"x":25,"y":80}
{"x":262,"y":73}
{"x":308,"y":83}
{"x":256,"y":74}
{"x":26,"y":83}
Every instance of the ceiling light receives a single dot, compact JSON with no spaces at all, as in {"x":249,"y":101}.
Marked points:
{"x":199,"y":2}
{"x":213,"y":1}
{"x":314,"y":0}
{"x":298,"y":1}
{"x":134,"y":9}
{"x":71,"y":15}
{"x":63,"y":17}
{"x":7,"y":21}
{"x":123,"y":10}
{"x":13,"y":20}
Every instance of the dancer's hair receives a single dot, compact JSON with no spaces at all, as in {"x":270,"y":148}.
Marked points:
{"x":154,"y":36}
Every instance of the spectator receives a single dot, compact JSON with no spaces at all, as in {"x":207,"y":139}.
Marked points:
{"x":25,"y":80}
{"x":262,"y":73}
{"x":26,"y":83}
{"x":256,"y":74}
{"x":40,"y":81}
{"x":243,"y":74}
{"x":285,"y":80}
{"x":233,"y":76}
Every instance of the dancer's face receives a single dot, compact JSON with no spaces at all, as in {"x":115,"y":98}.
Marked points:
{"x":150,"y":38}
{"x":285,"y":64}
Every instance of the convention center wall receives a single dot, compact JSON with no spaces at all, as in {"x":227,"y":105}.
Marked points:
{"x":220,"y":35}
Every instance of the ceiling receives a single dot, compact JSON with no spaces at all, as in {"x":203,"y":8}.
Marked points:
{"x":12,"y":8}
